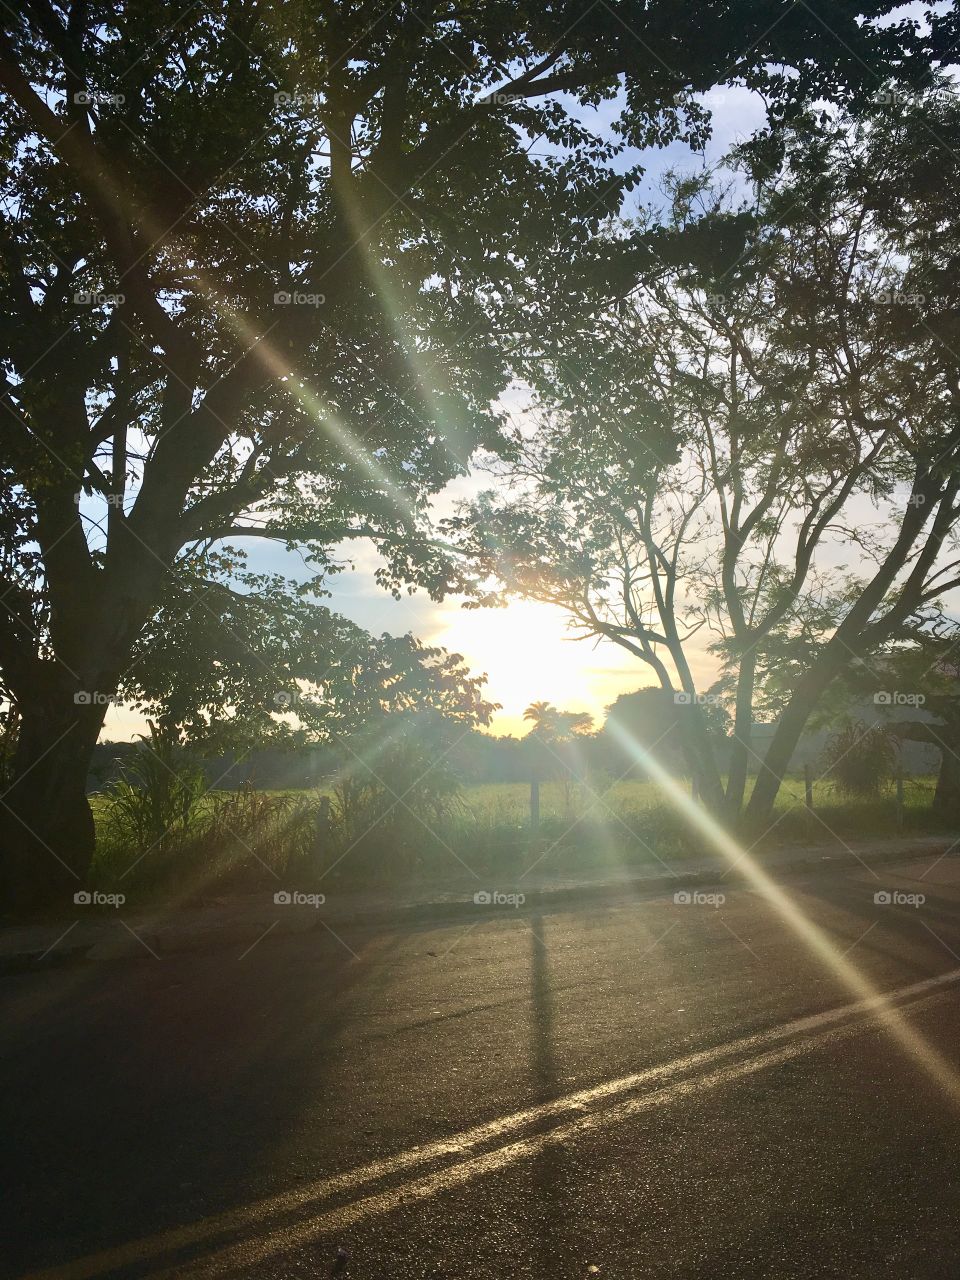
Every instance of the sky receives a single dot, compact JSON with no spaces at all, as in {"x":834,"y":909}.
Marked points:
{"x":525,"y":649}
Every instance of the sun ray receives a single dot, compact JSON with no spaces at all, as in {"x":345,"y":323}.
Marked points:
{"x":909,"y":1038}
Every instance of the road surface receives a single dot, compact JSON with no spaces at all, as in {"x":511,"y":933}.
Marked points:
{"x":638,"y":1088}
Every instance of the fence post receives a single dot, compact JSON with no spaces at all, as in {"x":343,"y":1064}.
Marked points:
{"x":534,"y":804}
{"x":808,"y":787}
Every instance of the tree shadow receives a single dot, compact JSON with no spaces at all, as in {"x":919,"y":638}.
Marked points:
{"x":158,"y":1094}
{"x":551,"y":1172}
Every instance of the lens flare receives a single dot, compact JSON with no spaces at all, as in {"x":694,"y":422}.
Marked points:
{"x":818,"y":942}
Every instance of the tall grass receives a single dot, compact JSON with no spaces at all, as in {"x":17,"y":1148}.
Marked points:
{"x":355,"y":835}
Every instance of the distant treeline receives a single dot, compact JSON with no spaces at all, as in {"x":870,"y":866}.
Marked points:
{"x":649,"y":718}
{"x":476,"y":757}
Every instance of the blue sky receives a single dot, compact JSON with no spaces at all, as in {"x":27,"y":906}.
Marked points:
{"x":525,"y":648}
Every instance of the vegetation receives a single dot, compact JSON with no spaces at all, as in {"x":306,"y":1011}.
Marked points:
{"x":861,"y":760}
{"x":788,"y":362}
{"x":244,"y":840}
{"x":264,"y":275}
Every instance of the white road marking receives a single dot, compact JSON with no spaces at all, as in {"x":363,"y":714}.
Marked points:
{"x":753,"y":1053}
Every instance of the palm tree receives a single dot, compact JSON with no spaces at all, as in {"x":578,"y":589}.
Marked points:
{"x":544,"y":718}
{"x":556,"y":729}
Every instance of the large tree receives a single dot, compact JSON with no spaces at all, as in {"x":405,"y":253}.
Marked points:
{"x":234,"y":660}
{"x":784,"y":391}
{"x":911,"y":683}
{"x":254,"y":262}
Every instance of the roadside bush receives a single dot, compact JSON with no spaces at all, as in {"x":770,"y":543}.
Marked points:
{"x":159,"y":825}
{"x":388,"y":803}
{"x":155,"y":799}
{"x":860,"y":759}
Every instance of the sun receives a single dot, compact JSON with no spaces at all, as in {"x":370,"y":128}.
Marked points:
{"x":529,"y":655}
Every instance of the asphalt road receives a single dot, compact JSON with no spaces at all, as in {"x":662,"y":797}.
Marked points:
{"x":635,"y":1089}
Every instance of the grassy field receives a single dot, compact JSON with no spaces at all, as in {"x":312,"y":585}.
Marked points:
{"x":244,"y":839}
{"x":510,"y":801}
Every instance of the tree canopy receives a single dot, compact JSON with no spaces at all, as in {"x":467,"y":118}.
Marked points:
{"x":712,"y":441}
{"x":263,"y":273}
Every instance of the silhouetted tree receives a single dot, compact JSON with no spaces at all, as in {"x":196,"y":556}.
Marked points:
{"x":262,"y":272}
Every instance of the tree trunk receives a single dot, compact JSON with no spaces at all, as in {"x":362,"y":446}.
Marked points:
{"x":946,"y":738}
{"x":947,"y":795}
{"x":46,"y":825}
{"x":786,"y":738}
{"x":740,"y":748}
{"x":700,"y":757}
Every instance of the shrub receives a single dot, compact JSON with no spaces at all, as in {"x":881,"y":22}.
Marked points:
{"x":156,"y":797}
{"x":159,"y":820}
{"x":860,"y":759}
{"x":390,"y":799}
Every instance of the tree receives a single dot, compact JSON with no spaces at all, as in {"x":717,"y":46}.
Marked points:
{"x":543,"y":721}
{"x":772,"y":394}
{"x":913,"y":682}
{"x":234,"y":660}
{"x":542,"y":717}
{"x":554,"y":746}
{"x":256,"y":274}
{"x":658,"y":722}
